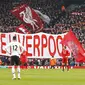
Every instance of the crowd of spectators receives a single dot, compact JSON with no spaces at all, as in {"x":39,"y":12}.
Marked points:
{"x":61,"y":20}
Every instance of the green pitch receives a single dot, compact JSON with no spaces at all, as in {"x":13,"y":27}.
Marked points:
{"x":44,"y":77}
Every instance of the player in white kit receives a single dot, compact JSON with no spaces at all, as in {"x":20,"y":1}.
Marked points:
{"x":15,"y":55}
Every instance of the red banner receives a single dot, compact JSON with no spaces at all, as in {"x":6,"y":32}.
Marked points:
{"x":29,"y":17}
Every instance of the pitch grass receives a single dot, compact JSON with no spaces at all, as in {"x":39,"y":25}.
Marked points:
{"x":44,"y":77}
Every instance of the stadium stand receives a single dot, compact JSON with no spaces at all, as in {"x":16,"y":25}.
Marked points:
{"x":61,"y":20}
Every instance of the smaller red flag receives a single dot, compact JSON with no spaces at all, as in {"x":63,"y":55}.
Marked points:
{"x":22,"y":29}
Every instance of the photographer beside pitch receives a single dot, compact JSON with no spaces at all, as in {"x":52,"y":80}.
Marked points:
{"x":15,"y":55}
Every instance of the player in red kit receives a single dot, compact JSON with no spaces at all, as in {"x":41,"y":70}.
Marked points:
{"x":65,"y":54}
{"x":23,"y":59}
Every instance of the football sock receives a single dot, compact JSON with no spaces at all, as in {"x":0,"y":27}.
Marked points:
{"x":67,"y":67}
{"x":13,"y":72}
{"x":63,"y":67}
{"x":18,"y":70}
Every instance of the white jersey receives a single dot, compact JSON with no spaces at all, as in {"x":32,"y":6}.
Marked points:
{"x":15,"y":48}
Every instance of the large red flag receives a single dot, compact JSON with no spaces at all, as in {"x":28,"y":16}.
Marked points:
{"x":29,"y":17}
{"x":74,"y":45}
{"x":80,"y":58}
{"x":22,"y":29}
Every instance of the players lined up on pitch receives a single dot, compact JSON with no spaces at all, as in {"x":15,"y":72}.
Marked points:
{"x":15,"y":57}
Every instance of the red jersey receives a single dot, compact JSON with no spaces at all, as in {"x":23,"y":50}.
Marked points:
{"x":65,"y":54}
{"x":23,"y":57}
